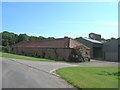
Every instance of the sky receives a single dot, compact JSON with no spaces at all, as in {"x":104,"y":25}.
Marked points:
{"x":59,"y":19}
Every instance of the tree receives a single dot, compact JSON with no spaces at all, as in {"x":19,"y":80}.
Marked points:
{"x":50,"y":38}
{"x":31,"y":38}
{"x":8,"y":38}
{"x":113,"y":38}
{"x":23,"y":37}
{"x":41,"y":38}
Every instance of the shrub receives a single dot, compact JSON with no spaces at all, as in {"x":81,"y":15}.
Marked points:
{"x":5,"y":49}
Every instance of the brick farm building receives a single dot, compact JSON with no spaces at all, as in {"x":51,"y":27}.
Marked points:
{"x":63,"y":48}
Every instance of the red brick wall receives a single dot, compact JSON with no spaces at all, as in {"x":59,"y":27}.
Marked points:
{"x":59,"y":53}
{"x":57,"y":43}
{"x":55,"y":49}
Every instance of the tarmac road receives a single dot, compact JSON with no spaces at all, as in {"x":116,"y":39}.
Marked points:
{"x":17,"y":74}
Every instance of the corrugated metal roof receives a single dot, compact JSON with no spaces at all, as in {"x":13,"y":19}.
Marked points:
{"x":93,"y":41}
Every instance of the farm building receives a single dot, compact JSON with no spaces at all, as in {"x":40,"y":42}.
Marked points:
{"x":102,"y":50}
{"x":62,"y":48}
{"x":94,"y":45}
{"x":110,"y":50}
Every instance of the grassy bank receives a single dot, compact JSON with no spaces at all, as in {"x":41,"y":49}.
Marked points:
{"x":91,"y":77}
{"x":8,"y":55}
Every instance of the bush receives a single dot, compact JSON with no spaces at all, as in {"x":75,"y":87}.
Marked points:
{"x":0,"y":48}
{"x":5,"y":49}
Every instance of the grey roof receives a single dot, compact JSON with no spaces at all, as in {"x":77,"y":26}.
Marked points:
{"x":93,"y":41}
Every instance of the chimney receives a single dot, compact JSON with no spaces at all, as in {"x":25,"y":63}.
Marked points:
{"x":65,"y":36}
{"x":95,"y":36}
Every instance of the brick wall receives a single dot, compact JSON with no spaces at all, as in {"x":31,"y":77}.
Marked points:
{"x":55,"y":49}
{"x":53,"y":53}
{"x":56,"y":43}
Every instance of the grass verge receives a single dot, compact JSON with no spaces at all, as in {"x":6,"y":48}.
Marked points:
{"x":91,"y":77}
{"x":8,"y":55}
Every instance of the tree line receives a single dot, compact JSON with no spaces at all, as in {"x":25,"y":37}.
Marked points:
{"x":9,"y":38}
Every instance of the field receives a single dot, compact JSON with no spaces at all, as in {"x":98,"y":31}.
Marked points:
{"x":8,"y":55}
{"x":91,"y":77}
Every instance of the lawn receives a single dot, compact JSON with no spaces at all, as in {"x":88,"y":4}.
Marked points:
{"x":91,"y":77}
{"x":8,"y":55}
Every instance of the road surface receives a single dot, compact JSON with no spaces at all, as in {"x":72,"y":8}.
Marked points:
{"x":18,"y":74}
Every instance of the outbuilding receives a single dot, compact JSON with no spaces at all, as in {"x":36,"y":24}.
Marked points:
{"x":111,"y":49}
{"x":94,"y":45}
{"x":62,"y":48}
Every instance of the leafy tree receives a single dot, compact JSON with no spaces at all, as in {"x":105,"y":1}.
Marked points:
{"x":8,"y":38}
{"x":113,"y":38}
{"x":50,"y":38}
{"x":23,"y":37}
{"x":41,"y":38}
{"x":31,"y":38}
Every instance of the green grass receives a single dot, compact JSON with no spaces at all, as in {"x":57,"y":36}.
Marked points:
{"x":91,"y":77}
{"x":8,"y":55}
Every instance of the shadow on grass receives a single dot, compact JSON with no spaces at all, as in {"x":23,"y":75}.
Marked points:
{"x":105,"y":73}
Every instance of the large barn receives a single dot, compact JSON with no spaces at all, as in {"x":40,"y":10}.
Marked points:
{"x":101,"y":49}
{"x":110,"y":50}
{"x":94,"y":45}
{"x":62,"y":48}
